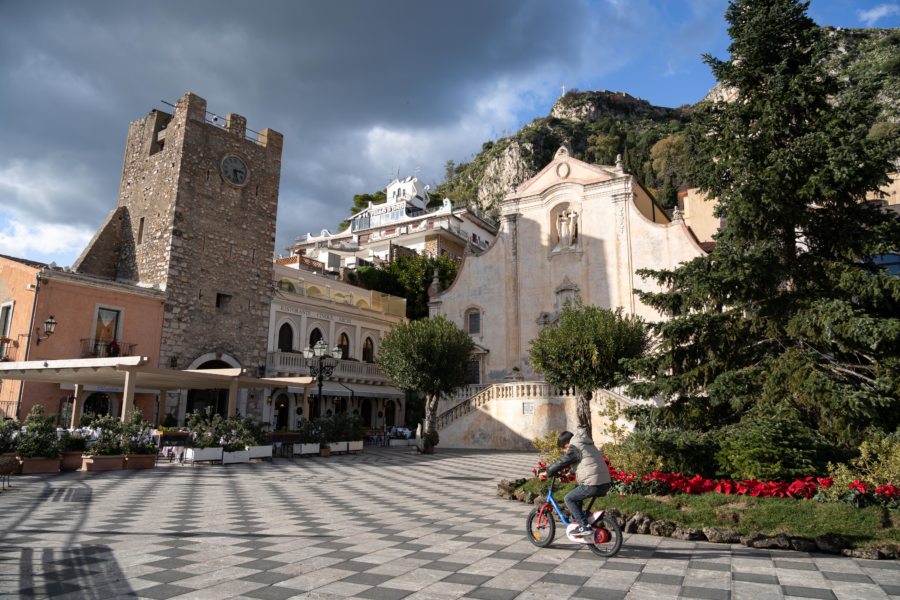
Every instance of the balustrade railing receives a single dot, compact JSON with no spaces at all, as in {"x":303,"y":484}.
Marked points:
{"x":94,"y":348}
{"x":294,"y":363}
{"x":518,"y":390}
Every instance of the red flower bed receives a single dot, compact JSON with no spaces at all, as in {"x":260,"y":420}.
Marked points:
{"x":659,"y":482}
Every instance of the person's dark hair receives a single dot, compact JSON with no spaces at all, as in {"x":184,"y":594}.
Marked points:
{"x":564,"y":438}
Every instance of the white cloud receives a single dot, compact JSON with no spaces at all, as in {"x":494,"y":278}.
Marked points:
{"x":51,"y":189}
{"x":46,"y":242}
{"x":873,"y":15}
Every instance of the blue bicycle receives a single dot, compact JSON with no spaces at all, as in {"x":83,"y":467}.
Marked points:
{"x":605,"y":538}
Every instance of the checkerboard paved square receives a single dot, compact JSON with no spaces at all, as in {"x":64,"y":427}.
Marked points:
{"x":385,"y":524}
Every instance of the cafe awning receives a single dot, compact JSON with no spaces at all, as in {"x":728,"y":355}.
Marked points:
{"x":131,"y":372}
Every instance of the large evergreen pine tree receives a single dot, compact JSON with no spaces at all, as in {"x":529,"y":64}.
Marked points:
{"x":789,"y":307}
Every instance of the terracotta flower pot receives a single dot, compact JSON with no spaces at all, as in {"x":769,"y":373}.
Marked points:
{"x":102,"y":463}
{"x":325,"y":452}
{"x":140,"y":461}
{"x":71,"y":460}
{"x":32,"y":466}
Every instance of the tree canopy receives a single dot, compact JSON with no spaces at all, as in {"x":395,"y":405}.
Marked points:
{"x":427,"y":356}
{"x":789,"y":308}
{"x":586,"y":349}
{"x":408,"y":277}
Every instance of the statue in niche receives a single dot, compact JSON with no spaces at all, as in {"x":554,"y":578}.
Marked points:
{"x":567,"y":229}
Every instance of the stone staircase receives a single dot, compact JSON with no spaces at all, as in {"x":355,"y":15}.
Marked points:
{"x":500,"y":412}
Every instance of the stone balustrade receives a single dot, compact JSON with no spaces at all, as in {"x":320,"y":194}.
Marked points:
{"x":293,"y":363}
{"x":518,"y":390}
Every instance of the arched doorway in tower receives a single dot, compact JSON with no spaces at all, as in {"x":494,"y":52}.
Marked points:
{"x":199,"y":400}
{"x":390,"y":413}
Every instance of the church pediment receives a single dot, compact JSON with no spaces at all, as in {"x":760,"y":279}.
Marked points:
{"x":565,"y":168}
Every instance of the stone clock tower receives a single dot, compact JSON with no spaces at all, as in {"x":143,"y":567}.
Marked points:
{"x":196,"y":218}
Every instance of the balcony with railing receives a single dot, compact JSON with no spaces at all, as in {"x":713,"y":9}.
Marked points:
{"x":293,"y":363}
{"x":94,"y":348}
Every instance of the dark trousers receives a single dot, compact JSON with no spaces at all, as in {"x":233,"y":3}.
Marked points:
{"x":574,"y":499}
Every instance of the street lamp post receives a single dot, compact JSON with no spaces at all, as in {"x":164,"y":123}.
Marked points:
{"x":321,"y":369}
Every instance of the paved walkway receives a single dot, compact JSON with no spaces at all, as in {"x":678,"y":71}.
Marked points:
{"x":385,"y":524}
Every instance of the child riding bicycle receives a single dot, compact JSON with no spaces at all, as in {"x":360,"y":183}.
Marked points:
{"x":591,"y":473}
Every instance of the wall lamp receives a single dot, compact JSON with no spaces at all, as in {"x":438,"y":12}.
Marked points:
{"x":49,"y":328}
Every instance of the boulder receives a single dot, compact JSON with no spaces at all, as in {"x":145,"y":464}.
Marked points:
{"x":529,"y":497}
{"x":721,"y":536}
{"x":832,"y":543}
{"x":662,"y":528}
{"x":616,"y":514}
{"x":688,"y":533}
{"x":750,"y":540}
{"x":802,"y":544}
{"x":644,"y":526}
{"x":633,"y":523}
{"x":778,"y":542}
{"x":539,"y":501}
{"x":868,"y":553}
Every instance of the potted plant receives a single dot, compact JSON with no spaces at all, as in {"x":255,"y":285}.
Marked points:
{"x":37,"y":443}
{"x":331,"y":434}
{"x":105,"y":452}
{"x":236,"y":439}
{"x":356,"y":433}
{"x":310,"y":438}
{"x":73,"y":446}
{"x":260,"y":445}
{"x":9,"y":429}
{"x":137,"y":442}
{"x":207,"y":436}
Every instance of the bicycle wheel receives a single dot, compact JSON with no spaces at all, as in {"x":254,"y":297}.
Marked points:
{"x":607,"y":538}
{"x":540,"y":526}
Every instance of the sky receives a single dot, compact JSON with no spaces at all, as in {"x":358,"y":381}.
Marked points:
{"x":361,"y":89}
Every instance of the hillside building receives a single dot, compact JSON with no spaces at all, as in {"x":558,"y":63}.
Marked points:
{"x":401,"y":224}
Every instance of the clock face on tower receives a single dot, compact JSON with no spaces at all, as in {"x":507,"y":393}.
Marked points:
{"x":234,"y":170}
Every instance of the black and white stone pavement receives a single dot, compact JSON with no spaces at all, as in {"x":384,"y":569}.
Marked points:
{"x":384,"y":524}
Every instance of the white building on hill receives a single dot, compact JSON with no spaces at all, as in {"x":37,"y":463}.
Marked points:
{"x":402,"y":224}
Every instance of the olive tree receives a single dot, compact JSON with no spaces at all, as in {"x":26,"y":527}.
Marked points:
{"x":587,"y":349}
{"x":428,"y":356}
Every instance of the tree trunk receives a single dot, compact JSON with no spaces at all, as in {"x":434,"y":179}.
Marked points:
{"x":430,"y":434}
{"x":584,"y":409}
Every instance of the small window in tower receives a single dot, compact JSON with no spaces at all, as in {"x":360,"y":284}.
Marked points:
{"x":140,"y":235}
{"x":222,"y":301}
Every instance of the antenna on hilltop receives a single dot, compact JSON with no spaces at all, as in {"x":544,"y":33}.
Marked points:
{"x":563,"y":89}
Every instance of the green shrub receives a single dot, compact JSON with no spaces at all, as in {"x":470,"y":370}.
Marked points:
{"x":878,"y":463}
{"x":38,"y":437}
{"x":308,"y":432}
{"x":547,"y":448}
{"x":769,"y":444}
{"x":74,"y":443}
{"x":136,"y":437}
{"x":208,"y":428}
{"x":9,"y":429}
{"x":633,"y":455}
{"x":109,"y":437}
{"x":678,"y":450}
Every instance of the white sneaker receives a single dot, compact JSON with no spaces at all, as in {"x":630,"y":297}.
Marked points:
{"x":579,"y":534}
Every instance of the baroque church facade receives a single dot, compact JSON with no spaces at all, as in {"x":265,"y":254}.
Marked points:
{"x":573,"y":230}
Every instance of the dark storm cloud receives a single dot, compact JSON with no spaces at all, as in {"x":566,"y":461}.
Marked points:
{"x":359,"y":88}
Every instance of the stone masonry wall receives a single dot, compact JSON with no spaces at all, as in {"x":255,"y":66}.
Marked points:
{"x":207,"y":242}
